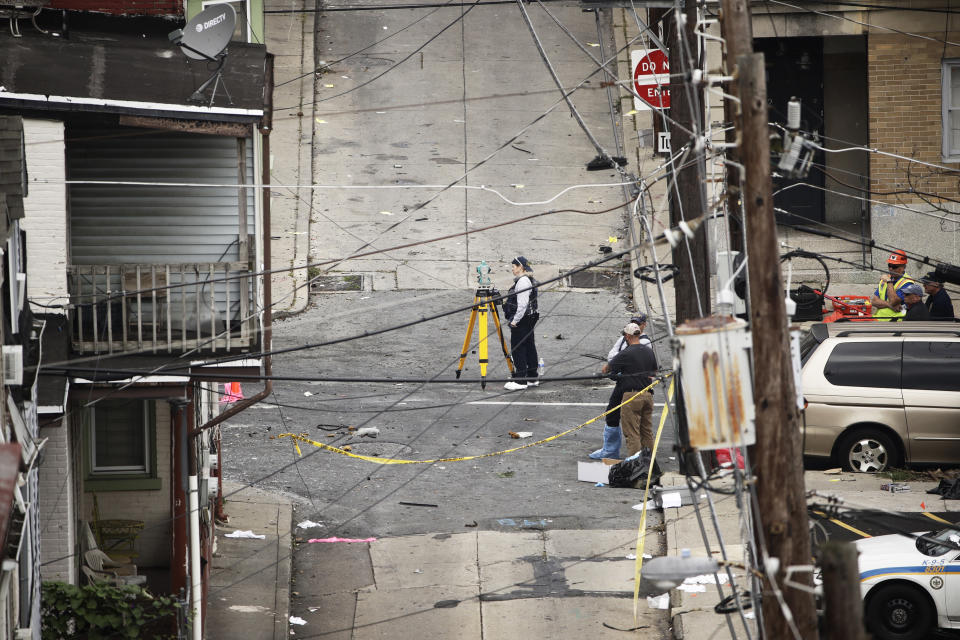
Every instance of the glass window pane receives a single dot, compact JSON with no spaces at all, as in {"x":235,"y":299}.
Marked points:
{"x":954,"y":131}
{"x":954,"y":95}
{"x":864,"y":364}
{"x":931,"y":365}
{"x":119,"y":437}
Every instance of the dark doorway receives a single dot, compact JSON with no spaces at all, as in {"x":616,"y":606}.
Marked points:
{"x":795,"y":69}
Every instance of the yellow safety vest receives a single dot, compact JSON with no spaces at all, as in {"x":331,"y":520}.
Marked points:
{"x":890,"y":314}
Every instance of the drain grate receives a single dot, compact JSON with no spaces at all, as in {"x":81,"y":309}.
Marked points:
{"x":594,"y":279}
{"x":331,"y":284}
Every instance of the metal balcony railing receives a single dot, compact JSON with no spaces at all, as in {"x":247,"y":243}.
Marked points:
{"x":162,"y":307}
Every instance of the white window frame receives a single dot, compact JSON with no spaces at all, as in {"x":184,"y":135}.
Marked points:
{"x":948,"y":154}
{"x":128,"y":470}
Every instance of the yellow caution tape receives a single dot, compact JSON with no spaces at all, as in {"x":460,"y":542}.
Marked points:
{"x":302,"y":437}
{"x":642,"y":531}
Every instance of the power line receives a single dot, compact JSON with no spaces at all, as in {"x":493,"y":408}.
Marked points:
{"x":327,"y":65}
{"x":388,"y":69}
{"x":863,"y":24}
{"x":390,"y":7}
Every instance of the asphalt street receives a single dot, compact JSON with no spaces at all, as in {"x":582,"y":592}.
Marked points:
{"x":429,"y":421}
{"x":856,"y":526}
{"x":531,"y":491}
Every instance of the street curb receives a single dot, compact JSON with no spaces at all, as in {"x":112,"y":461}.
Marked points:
{"x":284,"y":570}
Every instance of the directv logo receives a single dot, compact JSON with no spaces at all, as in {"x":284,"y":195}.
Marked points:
{"x":211,"y":23}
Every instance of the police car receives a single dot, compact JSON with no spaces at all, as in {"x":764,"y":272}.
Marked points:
{"x":910,"y":587}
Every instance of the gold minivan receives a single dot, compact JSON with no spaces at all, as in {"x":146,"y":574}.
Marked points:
{"x":882,"y":394}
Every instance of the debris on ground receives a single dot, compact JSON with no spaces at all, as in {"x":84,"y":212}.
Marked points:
{"x":245,"y":534}
{"x":335,"y":539}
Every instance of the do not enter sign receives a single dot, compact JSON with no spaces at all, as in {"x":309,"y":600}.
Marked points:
{"x":651,"y":79}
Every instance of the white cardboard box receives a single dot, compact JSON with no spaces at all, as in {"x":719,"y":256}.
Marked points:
{"x":595,"y":471}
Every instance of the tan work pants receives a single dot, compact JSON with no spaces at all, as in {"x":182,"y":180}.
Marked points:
{"x":636,"y":421}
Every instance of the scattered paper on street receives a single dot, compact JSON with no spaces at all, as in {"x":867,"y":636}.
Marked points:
{"x":671,"y":500}
{"x":309,"y":524}
{"x":296,"y":620}
{"x":659,"y":602}
{"x":693,"y":588}
{"x":335,"y":539}
{"x":246,"y":534}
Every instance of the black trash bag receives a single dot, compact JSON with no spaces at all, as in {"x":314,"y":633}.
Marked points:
{"x":632,"y":472}
{"x":948,"y":489}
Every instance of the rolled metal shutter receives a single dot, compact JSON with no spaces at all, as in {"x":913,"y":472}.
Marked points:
{"x":143,"y":224}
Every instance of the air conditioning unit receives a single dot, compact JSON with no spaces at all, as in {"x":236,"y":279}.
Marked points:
{"x":12,"y":364}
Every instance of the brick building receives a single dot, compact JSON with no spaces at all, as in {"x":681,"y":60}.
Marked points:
{"x":148,"y":291}
{"x":875,"y":82}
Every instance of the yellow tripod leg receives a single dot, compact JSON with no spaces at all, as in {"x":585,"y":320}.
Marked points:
{"x":466,"y":340}
{"x":503,"y":343}
{"x":482,"y":345}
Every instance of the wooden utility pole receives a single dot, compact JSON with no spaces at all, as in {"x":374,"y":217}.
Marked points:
{"x":736,"y":28}
{"x":778,"y":459}
{"x":687,"y":190}
{"x":841,"y":591}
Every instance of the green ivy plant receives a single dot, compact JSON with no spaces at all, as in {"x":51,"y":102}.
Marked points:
{"x":101,"y":611}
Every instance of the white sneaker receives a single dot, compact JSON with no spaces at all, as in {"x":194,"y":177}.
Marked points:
{"x":535,"y":383}
{"x":514,"y":386}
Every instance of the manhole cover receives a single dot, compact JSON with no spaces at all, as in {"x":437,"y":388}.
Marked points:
{"x":327,"y":284}
{"x":594,"y":279}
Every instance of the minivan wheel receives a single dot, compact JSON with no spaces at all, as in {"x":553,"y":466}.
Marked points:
{"x":868,"y":451}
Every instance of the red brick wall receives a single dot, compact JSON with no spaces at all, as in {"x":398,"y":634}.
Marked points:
{"x":124,"y":7}
{"x":904,"y":76}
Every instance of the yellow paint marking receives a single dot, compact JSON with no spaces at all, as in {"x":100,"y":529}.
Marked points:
{"x":937,"y":518}
{"x":862,"y":534}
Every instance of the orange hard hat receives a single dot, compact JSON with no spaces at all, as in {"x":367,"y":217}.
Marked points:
{"x":897,"y":257}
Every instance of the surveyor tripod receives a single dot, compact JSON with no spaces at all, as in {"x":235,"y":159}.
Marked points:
{"x":484,"y":303}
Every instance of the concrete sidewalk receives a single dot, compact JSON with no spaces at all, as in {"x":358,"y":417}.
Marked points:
{"x":692,"y":614}
{"x":473,"y":585}
{"x":249,"y":595}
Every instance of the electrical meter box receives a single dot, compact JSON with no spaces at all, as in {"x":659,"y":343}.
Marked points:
{"x":713,"y":358}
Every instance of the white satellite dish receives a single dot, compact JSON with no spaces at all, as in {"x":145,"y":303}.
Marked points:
{"x":205,"y":37}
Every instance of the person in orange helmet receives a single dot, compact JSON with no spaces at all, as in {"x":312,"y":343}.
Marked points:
{"x":887,"y":300}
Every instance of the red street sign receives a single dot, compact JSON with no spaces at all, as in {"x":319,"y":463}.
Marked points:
{"x":651,"y":79}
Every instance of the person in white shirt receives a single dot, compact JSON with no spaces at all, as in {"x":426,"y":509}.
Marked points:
{"x":520,"y":311}
{"x":612,"y":434}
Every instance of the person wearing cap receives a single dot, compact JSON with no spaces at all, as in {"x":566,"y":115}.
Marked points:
{"x":641,"y":320}
{"x":612,"y":435}
{"x":913,"y":300}
{"x":887,"y":300}
{"x":633,"y":369}
{"x":520,"y":311}
{"x":938,"y":301}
